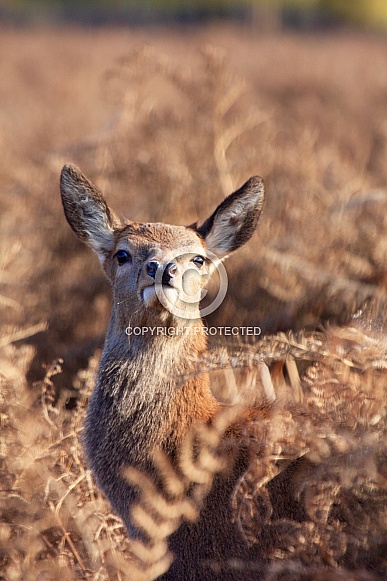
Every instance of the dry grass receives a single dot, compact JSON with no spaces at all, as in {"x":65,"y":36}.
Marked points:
{"x":167,"y":141}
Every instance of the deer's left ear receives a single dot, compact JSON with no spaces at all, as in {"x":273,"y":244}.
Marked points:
{"x":235,"y":219}
{"x":86,"y":211}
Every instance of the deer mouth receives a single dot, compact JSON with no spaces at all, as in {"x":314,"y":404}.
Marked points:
{"x":164,"y":295}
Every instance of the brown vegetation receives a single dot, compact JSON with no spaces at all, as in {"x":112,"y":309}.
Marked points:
{"x":167,"y":141}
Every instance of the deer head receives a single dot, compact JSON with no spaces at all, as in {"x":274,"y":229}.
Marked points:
{"x":158,"y":271}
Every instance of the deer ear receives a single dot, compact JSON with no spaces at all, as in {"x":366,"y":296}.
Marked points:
{"x":86,"y":211}
{"x":235,"y":219}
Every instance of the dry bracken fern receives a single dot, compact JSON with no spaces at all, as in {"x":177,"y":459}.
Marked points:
{"x":314,"y":492}
{"x":54,"y":523}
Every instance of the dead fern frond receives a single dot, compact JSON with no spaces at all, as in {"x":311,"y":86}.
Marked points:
{"x":44,"y":481}
{"x":313,"y":493}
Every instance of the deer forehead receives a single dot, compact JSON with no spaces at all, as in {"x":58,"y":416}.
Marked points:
{"x":144,"y":237}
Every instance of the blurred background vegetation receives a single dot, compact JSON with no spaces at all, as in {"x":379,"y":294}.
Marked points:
{"x":262,"y":14}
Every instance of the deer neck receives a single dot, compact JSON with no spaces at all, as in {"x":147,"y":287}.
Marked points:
{"x":156,"y":382}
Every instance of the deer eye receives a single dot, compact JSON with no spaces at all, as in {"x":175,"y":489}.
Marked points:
{"x":122,"y":256}
{"x":198,"y":260}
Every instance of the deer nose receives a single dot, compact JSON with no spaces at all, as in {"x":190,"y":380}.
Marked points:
{"x":151,"y":268}
{"x":170,"y":272}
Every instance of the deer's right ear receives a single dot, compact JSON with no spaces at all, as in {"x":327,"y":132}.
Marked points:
{"x":235,"y":219}
{"x":86,"y":211}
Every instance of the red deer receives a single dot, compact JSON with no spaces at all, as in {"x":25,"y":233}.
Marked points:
{"x":138,"y":404}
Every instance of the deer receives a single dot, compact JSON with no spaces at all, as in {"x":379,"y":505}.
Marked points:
{"x":139,"y":404}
